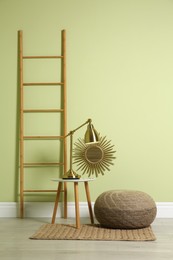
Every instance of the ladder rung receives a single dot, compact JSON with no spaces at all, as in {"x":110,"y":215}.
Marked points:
{"x":40,"y":164}
{"x":37,"y":137}
{"x":42,"y":110}
{"x":42,"y":190}
{"x":43,"y":83}
{"x":42,"y":57}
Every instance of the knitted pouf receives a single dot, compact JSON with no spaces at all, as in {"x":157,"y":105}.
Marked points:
{"x":125,"y":209}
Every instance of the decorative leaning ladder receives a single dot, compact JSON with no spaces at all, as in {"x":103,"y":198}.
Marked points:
{"x":61,"y":111}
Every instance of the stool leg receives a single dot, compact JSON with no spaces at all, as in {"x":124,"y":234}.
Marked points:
{"x":65,"y":200}
{"x":77,"y":204}
{"x":89,"y":202}
{"x":56,"y":202}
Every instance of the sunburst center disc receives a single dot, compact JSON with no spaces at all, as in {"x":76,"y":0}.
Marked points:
{"x":94,"y":154}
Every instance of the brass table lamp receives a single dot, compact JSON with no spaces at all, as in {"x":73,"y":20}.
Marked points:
{"x":91,"y":136}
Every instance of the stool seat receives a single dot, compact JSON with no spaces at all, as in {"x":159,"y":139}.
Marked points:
{"x":125,"y":209}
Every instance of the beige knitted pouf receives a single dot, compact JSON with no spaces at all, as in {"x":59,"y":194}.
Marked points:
{"x":125,"y":209}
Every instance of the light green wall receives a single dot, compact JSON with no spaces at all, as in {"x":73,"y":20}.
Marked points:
{"x":119,"y":72}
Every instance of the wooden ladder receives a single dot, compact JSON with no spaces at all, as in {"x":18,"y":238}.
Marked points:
{"x":63,"y":118}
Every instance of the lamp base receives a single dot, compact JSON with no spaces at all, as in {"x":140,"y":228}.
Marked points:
{"x":71,"y":175}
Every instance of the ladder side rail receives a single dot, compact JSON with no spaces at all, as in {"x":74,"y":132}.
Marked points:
{"x":64,"y":97}
{"x":64,"y":115}
{"x":21,"y":124}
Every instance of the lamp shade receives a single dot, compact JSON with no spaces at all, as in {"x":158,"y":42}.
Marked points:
{"x":91,"y":135}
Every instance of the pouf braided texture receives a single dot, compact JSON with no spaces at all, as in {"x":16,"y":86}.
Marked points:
{"x":125,"y":209}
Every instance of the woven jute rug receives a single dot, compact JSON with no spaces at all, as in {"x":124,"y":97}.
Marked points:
{"x":92,"y":232}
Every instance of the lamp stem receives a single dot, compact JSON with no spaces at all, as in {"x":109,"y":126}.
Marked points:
{"x":71,"y":174}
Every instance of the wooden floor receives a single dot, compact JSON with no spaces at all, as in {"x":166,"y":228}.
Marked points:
{"x":16,"y":245}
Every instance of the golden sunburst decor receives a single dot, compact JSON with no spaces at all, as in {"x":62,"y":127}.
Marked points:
{"x":93,"y":158}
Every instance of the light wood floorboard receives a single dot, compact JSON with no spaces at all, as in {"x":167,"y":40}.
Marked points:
{"x":16,"y":245}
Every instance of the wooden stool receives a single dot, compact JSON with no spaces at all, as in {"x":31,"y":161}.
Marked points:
{"x":76,"y":192}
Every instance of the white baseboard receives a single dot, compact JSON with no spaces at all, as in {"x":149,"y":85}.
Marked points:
{"x":45,"y":209}
{"x":164,"y":209}
{"x":40,"y":209}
